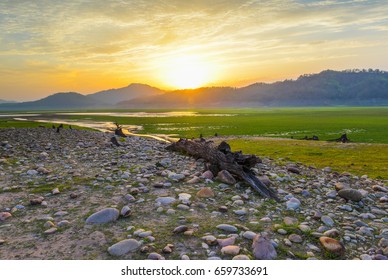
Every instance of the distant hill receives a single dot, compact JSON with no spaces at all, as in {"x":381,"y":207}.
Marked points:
{"x":114,"y":96}
{"x":72,"y":100}
{"x":6,"y":101}
{"x":328,"y":88}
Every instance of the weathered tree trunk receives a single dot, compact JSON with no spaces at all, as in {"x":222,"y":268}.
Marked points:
{"x":221,"y":158}
{"x":119,"y":130}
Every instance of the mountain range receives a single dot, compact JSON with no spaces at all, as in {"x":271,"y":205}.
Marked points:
{"x":328,"y":88}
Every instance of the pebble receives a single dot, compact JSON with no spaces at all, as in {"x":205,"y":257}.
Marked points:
{"x":165,"y":200}
{"x":304,"y":228}
{"x":155,"y":256}
{"x":51,"y":230}
{"x":263,"y":249}
{"x":327,"y":221}
{"x":205,"y":193}
{"x":4,"y":216}
{"x":231,"y":250}
{"x":226,"y":242}
{"x":350,"y":194}
{"x":249,"y":235}
{"x":208,"y":175}
{"x":290,"y":221}
{"x":55,"y":191}
{"x":365,"y":257}
{"x":225,"y":177}
{"x":185,"y":258}
{"x":295,"y":238}
{"x":63,"y":223}
{"x":332,"y":233}
{"x":106,"y":215}
{"x":282,"y":231}
{"x":293,"y":204}
{"x":240,"y":258}
{"x":210,"y":240}
{"x":228,"y":228}
{"x":332,"y":245}
{"x":180,"y":229}
{"x":2,"y":241}
{"x":123,"y":247}
{"x":145,"y":234}
{"x":125,"y":211}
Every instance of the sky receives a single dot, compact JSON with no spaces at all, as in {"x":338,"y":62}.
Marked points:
{"x":49,"y":46}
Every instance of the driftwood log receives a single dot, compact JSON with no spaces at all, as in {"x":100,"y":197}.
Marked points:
{"x":222,"y":158}
{"x":119,"y":130}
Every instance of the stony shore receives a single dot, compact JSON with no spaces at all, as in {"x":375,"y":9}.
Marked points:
{"x":74,"y":195}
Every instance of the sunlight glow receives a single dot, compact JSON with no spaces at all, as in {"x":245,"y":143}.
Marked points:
{"x":187,"y":71}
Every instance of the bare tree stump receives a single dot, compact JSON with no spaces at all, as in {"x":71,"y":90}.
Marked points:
{"x":221,"y":158}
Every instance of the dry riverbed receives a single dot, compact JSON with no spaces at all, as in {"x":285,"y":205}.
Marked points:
{"x":74,"y":195}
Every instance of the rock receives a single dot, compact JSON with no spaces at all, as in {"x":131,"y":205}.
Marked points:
{"x":295,"y":238}
{"x":293,"y":169}
{"x":304,"y":228}
{"x":332,"y":245}
{"x":185,"y":258}
{"x":63,"y":223}
{"x":180,"y":229}
{"x":332,"y":233}
{"x":249,"y":235}
{"x":49,"y":224}
{"x":327,"y":221}
{"x":155,"y":256}
{"x":36,"y":201}
{"x":225,"y":177}
{"x":365,"y":257}
{"x":165,"y":200}
{"x":230,"y":250}
{"x":125,"y":211}
{"x":378,"y":188}
{"x":208,"y":175}
{"x":290,"y":221}
{"x":194,"y":180}
{"x":282,"y":231}
{"x":293,"y":204}
{"x":144,"y":234}
{"x":331,"y":194}
{"x":350,"y":194}
{"x":228,"y":228}
{"x":205,"y":193}
{"x":340,"y":186}
{"x":2,"y":241}
{"x":176,"y":177}
{"x":223,"y":209}
{"x":51,"y":230}
{"x":183,"y":207}
{"x":55,"y":191}
{"x":4,"y":216}
{"x":123,"y":247}
{"x":263,"y":248}
{"x":32,"y":172}
{"x":210,"y":240}
{"x":226,"y":242}
{"x":106,"y":215}
{"x":327,"y":169}
{"x":167,"y":250}
{"x":73,"y":195}
{"x":240,"y":212}
{"x":240,"y":258}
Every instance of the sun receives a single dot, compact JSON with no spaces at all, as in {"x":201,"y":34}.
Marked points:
{"x":186,"y":72}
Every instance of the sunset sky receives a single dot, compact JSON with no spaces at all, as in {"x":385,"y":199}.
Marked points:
{"x":48,"y":46}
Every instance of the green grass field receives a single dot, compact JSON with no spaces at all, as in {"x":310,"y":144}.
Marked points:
{"x":367,"y":125}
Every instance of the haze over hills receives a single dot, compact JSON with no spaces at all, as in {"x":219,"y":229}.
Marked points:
{"x":328,"y":88}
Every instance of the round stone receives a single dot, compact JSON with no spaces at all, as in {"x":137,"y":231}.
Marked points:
{"x":51,"y":230}
{"x":327,"y":221}
{"x":231,"y":250}
{"x":249,"y":235}
{"x":205,"y":193}
{"x":123,"y":247}
{"x":106,"y":215}
{"x":293,"y":204}
{"x":165,"y":200}
{"x":295,"y":238}
{"x":180,"y":229}
{"x":350,"y":194}
{"x":240,"y":258}
{"x":263,"y":248}
{"x":228,"y":228}
{"x":332,"y":245}
{"x":226,"y":242}
{"x":155,"y":256}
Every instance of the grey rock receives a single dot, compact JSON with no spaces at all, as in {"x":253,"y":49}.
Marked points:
{"x":155,"y":256}
{"x":293,"y":204}
{"x":225,"y":177}
{"x":350,"y":194}
{"x":106,"y":215}
{"x":327,"y":221}
{"x":228,"y":228}
{"x":165,"y":200}
{"x":249,"y":235}
{"x":263,"y":248}
{"x":123,"y":247}
{"x":295,"y":238}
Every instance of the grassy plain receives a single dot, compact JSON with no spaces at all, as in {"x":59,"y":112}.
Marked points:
{"x":367,"y":127}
